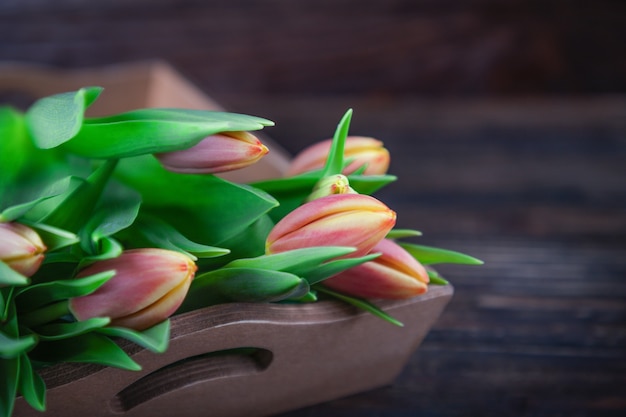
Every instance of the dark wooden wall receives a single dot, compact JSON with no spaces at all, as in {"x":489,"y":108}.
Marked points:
{"x":506,"y":120}
{"x":381,"y":47}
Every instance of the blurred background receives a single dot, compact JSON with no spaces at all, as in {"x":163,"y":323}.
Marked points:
{"x":506,"y":122}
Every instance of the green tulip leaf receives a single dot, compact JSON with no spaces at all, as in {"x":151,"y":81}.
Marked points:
{"x":435,"y":278}
{"x":243,"y":285}
{"x":35,"y":213}
{"x":58,"y":331}
{"x":157,"y":233}
{"x":331,"y":268}
{"x":54,"y":120}
{"x":203,"y":208}
{"x":148,"y":131}
{"x":12,"y":146}
{"x":277,"y":186}
{"x":12,"y":347}
{"x":114,"y":215}
{"x":361,"y":304}
{"x":369,"y":184}
{"x":38,"y":295}
{"x":31,"y":385}
{"x":105,"y":248}
{"x":248,"y":243}
{"x":78,"y":204}
{"x":402,"y":233}
{"x":85,"y":348}
{"x":52,"y":190}
{"x":293,"y":261}
{"x":428,"y":255}
{"x":156,"y":338}
{"x":334,"y":162}
{"x":8,"y":276}
{"x":6,"y":296}
{"x":53,"y":237}
{"x":9,"y":375}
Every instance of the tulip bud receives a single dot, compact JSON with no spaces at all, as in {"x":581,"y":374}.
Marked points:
{"x":354,"y":220}
{"x":395,"y":274}
{"x":223,"y":152}
{"x":364,"y":151}
{"x":148,"y":286}
{"x":21,"y":248}
{"x":333,"y":184}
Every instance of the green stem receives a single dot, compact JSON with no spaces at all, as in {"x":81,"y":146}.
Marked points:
{"x":45,"y":314}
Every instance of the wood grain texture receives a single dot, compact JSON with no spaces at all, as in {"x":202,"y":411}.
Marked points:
{"x":379,"y":48}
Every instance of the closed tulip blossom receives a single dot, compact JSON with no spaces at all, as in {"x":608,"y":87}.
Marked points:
{"x":334,"y":184}
{"x":148,"y":286}
{"x":223,"y":152}
{"x":364,"y":151}
{"x":21,"y":248}
{"x":354,"y":220}
{"x":395,"y":274}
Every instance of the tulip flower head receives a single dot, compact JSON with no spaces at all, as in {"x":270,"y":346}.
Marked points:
{"x":21,"y":248}
{"x":148,"y":286}
{"x":363,"y":151}
{"x":333,"y":184}
{"x":223,"y":152}
{"x":354,"y":220}
{"x":395,"y":274}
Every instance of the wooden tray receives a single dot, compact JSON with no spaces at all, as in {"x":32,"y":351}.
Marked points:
{"x":249,"y":360}
{"x":233,"y":359}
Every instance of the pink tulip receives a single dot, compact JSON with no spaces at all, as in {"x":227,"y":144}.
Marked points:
{"x":364,"y":150}
{"x":354,"y":220}
{"x":395,"y":274}
{"x":148,"y":286}
{"x":223,"y":152}
{"x":21,"y":248}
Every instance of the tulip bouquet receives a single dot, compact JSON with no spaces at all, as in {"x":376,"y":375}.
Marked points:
{"x":108,"y":226}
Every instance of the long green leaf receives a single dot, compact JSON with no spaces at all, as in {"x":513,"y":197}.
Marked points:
{"x":53,"y":237}
{"x":58,"y":331}
{"x":78,"y":205}
{"x":8,"y":276}
{"x":244,"y":285}
{"x":12,"y":148}
{"x":86,"y":348}
{"x":435,"y":278}
{"x":155,"y":339}
{"x":105,"y":248}
{"x":11,"y":347}
{"x":361,"y":304}
{"x":157,"y":233}
{"x":298,"y":259}
{"x":402,"y":233}
{"x":52,"y":190}
{"x":56,"y":119}
{"x":113,"y":215}
{"x":35,"y":296}
{"x":203,"y":208}
{"x":369,"y":184}
{"x":331,"y":268}
{"x":150,"y":131}
{"x":31,"y":385}
{"x":428,"y":255}
{"x":334,"y":162}
{"x":9,"y":377}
